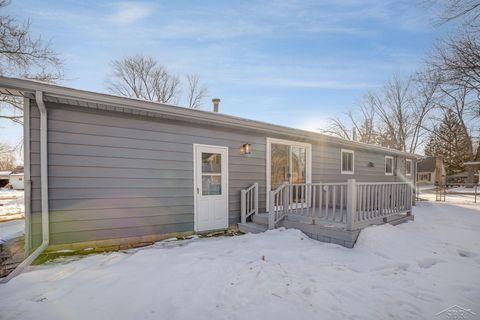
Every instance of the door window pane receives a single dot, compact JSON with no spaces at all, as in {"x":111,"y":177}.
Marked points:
{"x":211,"y":162}
{"x":280,"y":164}
{"x":211,"y":185}
{"x":299,"y":165}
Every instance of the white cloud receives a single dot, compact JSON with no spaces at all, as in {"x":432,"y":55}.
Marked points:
{"x":129,"y":12}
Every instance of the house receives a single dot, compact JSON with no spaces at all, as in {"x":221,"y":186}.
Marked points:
{"x":460,"y":178}
{"x":431,"y":171}
{"x":103,"y":170}
{"x":4,"y":178}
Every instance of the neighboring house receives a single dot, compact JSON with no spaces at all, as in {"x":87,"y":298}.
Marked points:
{"x":460,"y":178}
{"x":108,"y":170}
{"x":4,"y":178}
{"x":431,"y":171}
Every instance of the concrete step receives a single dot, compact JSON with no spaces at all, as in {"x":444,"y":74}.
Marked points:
{"x":251,"y":227}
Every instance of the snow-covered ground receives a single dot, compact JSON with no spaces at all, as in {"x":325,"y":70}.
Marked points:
{"x":452,"y":197}
{"x":12,"y":223}
{"x":423,"y":187}
{"x":11,"y":204}
{"x":410,"y":271}
{"x":465,"y":190}
{"x":11,"y":229}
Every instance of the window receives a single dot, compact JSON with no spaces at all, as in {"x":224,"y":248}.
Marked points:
{"x":211,"y":174}
{"x":388,"y":166}
{"x":347,"y":163}
{"x":408,"y":167}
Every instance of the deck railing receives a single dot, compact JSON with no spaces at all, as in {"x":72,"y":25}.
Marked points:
{"x":354,"y":205}
{"x":381,"y":200}
{"x":249,"y":202}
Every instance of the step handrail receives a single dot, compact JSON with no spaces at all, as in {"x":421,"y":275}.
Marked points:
{"x":249,"y":202}
{"x":279,"y":204}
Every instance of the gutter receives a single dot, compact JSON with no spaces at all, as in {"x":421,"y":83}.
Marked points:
{"x":44,"y":189}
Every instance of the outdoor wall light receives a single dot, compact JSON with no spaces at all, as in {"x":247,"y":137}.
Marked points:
{"x":371,"y":165}
{"x":246,"y":149}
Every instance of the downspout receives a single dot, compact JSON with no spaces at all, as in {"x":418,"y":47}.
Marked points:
{"x":27,"y":175}
{"x":44,"y":190}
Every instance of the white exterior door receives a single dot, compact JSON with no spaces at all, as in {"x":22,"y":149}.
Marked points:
{"x":211,"y":187}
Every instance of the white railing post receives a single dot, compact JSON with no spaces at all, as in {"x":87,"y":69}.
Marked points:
{"x":285,"y":200}
{"x":256,"y":197}
{"x":410,"y":199}
{"x":351,"y":203}
{"x":271,"y":211}
{"x":243,"y":209}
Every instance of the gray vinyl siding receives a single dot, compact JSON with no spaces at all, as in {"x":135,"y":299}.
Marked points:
{"x":326,"y":165}
{"x":115,"y":175}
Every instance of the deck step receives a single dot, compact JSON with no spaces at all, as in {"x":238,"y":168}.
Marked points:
{"x":261,"y":218}
{"x":397,"y":219}
{"x":252,"y":227}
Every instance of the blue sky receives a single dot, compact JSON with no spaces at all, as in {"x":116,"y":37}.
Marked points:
{"x":294,"y":63}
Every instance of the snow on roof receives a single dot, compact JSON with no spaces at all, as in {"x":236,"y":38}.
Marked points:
{"x":5,"y":173}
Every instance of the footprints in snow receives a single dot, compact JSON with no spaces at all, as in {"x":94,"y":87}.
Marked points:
{"x":427,"y":263}
{"x":466,"y":253}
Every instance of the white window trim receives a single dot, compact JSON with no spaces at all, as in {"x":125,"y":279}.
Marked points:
{"x":341,"y":161}
{"x":393,"y":169}
{"x":406,"y":173}
{"x":308,"y":173}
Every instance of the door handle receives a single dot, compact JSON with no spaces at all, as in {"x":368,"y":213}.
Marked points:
{"x":198,"y":190}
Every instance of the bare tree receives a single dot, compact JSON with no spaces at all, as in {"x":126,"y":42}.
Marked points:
{"x":143,"y":78}
{"x":393,"y":106}
{"x":7,"y":157}
{"x":457,"y":61}
{"x":360,"y":120}
{"x":393,"y":116}
{"x":424,"y":98}
{"x":26,"y":56}
{"x":466,"y":10}
{"x":195,"y":91}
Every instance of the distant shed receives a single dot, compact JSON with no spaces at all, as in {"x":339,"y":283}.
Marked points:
{"x":16,"y":181}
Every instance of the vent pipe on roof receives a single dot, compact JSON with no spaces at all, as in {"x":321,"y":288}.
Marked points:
{"x":216,"y":103}
{"x":354,"y":134}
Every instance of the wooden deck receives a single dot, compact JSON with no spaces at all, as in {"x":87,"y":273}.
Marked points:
{"x":329,"y":212}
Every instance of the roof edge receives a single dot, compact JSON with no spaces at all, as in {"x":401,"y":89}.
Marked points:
{"x":221,"y":119}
